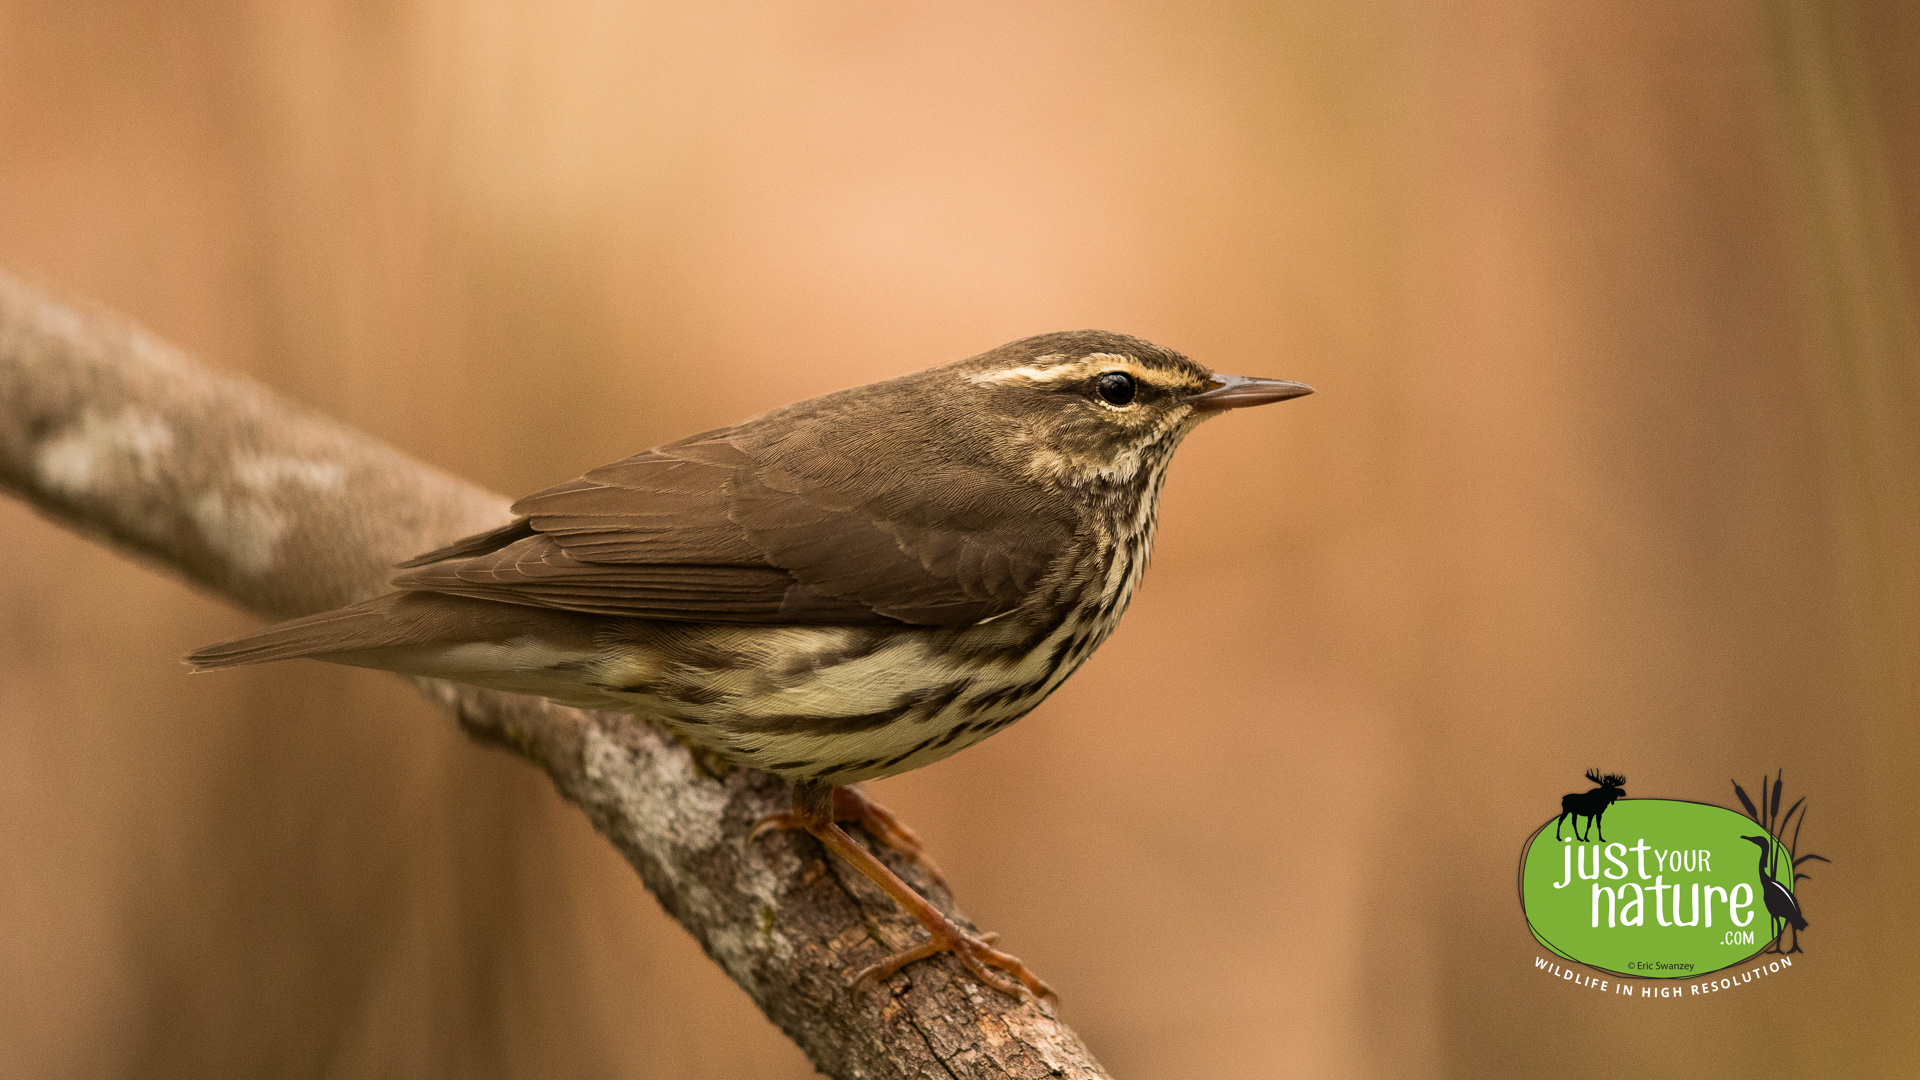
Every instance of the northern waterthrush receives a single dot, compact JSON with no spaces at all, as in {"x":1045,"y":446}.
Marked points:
{"x":843,"y":589}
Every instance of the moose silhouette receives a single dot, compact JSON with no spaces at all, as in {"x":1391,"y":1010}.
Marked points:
{"x":1591,"y":804}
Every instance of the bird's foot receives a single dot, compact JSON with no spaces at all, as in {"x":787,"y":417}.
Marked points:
{"x":819,"y":810}
{"x":851,"y":805}
{"x":975,"y":953}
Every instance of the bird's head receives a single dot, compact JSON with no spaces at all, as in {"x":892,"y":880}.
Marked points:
{"x":1090,"y":408}
{"x":1764,"y":842}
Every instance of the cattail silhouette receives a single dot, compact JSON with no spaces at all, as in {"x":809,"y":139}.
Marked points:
{"x":1780,"y":900}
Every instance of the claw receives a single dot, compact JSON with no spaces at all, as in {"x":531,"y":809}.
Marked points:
{"x":974,"y":952}
{"x":785,"y":819}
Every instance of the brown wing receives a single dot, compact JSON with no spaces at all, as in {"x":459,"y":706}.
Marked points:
{"x":702,"y":530}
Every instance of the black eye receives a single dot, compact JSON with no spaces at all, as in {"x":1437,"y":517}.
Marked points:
{"x":1115,"y":388}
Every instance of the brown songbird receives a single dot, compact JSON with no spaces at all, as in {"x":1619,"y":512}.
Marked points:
{"x":843,"y":589}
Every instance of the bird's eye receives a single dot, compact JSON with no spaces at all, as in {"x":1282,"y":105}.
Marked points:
{"x":1116,"y":388}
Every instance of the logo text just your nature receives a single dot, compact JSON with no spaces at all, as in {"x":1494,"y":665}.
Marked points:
{"x":1681,"y":890}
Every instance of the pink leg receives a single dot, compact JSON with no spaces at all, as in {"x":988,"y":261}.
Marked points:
{"x":976,"y":953}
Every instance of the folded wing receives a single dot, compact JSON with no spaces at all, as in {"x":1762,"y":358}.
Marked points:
{"x":704,"y":530}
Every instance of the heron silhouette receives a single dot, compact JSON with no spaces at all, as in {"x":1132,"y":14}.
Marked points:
{"x":1780,"y":902}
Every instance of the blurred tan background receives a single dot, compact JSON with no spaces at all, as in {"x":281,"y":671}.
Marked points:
{"x":1613,"y":464}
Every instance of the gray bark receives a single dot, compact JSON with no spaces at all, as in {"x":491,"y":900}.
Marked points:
{"x":285,"y":512}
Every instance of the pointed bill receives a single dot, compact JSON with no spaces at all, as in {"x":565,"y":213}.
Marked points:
{"x":1238,"y":392}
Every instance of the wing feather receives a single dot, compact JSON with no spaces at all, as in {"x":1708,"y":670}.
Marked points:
{"x":710,"y":529}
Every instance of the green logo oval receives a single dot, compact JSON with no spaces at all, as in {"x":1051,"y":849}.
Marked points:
{"x":1679,"y":889}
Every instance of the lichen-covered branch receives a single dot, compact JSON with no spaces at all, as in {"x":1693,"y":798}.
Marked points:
{"x":285,"y":512}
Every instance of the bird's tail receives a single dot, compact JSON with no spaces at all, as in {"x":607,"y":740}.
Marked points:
{"x":362,"y":626}
{"x":417,"y":633}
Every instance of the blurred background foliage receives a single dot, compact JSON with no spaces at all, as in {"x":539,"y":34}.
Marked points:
{"x":1613,"y":464}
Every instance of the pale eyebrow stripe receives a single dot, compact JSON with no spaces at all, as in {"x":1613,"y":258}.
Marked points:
{"x":1042,"y":373}
{"x":1038,"y":372}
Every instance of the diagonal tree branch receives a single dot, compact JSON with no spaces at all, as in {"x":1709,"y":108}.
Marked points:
{"x":285,"y":512}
